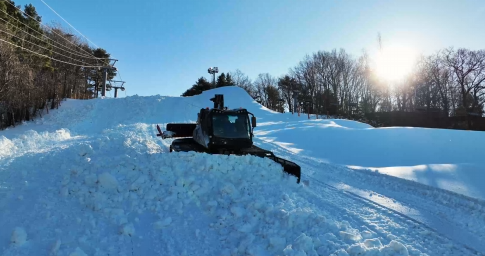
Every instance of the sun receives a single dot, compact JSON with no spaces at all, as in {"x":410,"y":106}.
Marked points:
{"x":394,"y":63}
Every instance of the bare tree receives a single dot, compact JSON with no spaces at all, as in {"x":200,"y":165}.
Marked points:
{"x":286,"y":85}
{"x":264,"y":84}
{"x":243,"y":81}
{"x":306,"y":75}
{"x":368,"y":91}
{"x":469,"y":70}
{"x":441,"y":77}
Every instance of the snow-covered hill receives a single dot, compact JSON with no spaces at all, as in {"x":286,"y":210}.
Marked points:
{"x":92,"y":178}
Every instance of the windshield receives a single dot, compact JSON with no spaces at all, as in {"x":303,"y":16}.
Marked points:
{"x":233,"y":126}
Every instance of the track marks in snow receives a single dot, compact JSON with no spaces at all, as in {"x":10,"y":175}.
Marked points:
{"x":391,"y":224}
{"x":468,"y":238}
{"x":113,"y":188}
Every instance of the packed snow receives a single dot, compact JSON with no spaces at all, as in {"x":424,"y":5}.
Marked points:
{"x":446,"y":159}
{"x":91,"y":178}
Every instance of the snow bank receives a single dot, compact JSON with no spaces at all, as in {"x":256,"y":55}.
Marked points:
{"x":94,"y":194}
{"x":32,"y":142}
{"x":446,"y":159}
{"x":92,"y":179}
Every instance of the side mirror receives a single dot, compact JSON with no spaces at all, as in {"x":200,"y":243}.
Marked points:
{"x":253,"y":121}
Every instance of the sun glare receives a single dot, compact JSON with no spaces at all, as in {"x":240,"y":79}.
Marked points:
{"x":394,"y":63}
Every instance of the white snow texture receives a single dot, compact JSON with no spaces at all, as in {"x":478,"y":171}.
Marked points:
{"x":93,"y":179}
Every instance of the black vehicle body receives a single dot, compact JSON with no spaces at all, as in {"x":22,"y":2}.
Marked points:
{"x":222,"y":131}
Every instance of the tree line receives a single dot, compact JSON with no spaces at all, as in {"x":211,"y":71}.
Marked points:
{"x":450,"y":81}
{"x":42,"y":64}
{"x":203,"y":85}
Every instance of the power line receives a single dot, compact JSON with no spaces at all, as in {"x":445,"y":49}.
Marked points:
{"x":42,"y":55}
{"x":68,"y":23}
{"x":41,"y":46}
{"x":119,"y":74}
{"x":83,"y":56}
{"x":105,"y":69}
{"x":68,"y":51}
{"x":83,"y":62}
{"x":87,"y":56}
{"x":48,"y":28}
{"x":45,"y":27}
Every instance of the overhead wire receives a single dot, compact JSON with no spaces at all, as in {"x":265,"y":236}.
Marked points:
{"x":121,"y":79}
{"x":83,"y":62}
{"x":42,"y":55}
{"x":68,"y":23}
{"x":119,"y":74}
{"x":111,"y":89}
{"x":52,"y":9}
{"x":50,"y":29}
{"x":69,"y":50}
{"x":87,"y":56}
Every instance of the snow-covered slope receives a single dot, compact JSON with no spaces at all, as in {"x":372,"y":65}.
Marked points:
{"x":92,"y":178}
{"x":448,"y":159}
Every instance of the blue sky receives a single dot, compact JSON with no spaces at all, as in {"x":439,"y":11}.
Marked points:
{"x":164,"y":46}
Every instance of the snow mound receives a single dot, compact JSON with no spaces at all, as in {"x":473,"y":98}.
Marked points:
{"x":446,"y":159}
{"x":32,"y":142}
{"x":187,"y":202}
{"x":93,"y":175}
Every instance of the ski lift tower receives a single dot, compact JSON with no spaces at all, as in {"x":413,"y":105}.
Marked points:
{"x":118,"y":87}
{"x":105,"y":75}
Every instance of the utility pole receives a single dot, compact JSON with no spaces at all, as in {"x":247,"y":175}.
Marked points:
{"x":105,"y":75}
{"x":213,"y":72}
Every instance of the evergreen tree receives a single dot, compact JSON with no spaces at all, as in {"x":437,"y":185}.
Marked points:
{"x":96,"y":75}
{"x":229,"y":81}
{"x":201,"y":85}
{"x":221,"y":81}
{"x":29,"y":82}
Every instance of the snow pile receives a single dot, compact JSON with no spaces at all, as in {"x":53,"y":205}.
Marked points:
{"x":93,"y":179}
{"x":186,"y":202}
{"x":374,"y":247}
{"x":32,"y":142}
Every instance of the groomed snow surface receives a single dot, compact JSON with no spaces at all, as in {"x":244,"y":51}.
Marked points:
{"x":93,"y":179}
